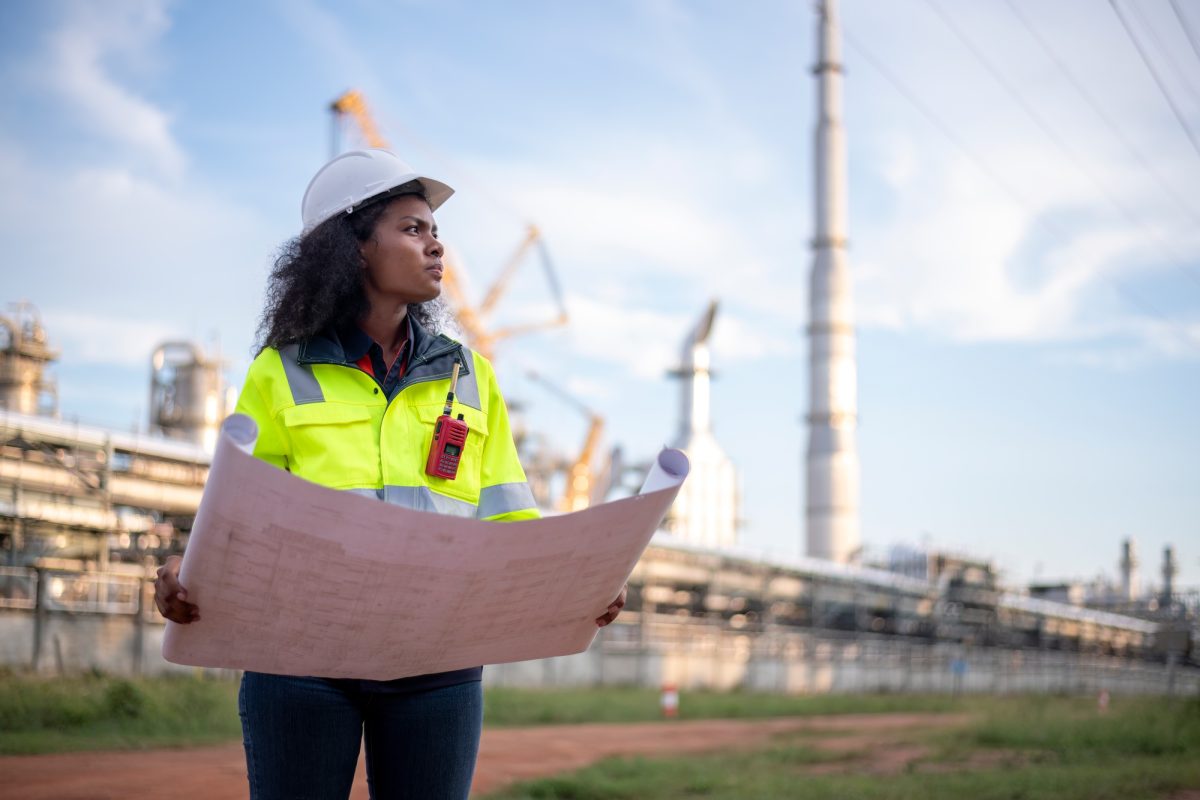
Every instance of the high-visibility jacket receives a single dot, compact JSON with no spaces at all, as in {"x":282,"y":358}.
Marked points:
{"x":327,"y":421}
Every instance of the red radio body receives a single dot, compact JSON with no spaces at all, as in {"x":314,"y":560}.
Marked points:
{"x":445,"y":451}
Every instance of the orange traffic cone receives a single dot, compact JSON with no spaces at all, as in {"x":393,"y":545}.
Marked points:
{"x":669,"y":701}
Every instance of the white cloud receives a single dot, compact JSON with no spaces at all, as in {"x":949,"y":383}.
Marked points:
{"x":327,"y":34}
{"x":960,"y":258}
{"x":642,"y":219}
{"x":90,"y":338}
{"x":646,"y":341}
{"x":641,"y":340}
{"x":738,"y":339}
{"x":105,"y":237}
{"x":80,"y":55}
{"x":594,"y":390}
{"x":898,"y":161}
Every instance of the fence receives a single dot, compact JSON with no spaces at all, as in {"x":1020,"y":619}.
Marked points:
{"x":56,"y":621}
{"x":18,"y":587}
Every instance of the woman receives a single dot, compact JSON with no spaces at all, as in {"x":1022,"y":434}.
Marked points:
{"x":346,"y":391}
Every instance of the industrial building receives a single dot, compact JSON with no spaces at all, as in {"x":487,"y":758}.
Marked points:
{"x":86,"y":514}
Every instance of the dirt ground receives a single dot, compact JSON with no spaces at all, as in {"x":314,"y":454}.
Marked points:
{"x":506,"y":755}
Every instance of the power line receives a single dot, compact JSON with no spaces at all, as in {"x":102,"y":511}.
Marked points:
{"x":1189,"y":338}
{"x":1045,"y":127}
{"x":1090,"y":99}
{"x":1187,"y":29}
{"x":1163,"y":49}
{"x":1158,"y":80}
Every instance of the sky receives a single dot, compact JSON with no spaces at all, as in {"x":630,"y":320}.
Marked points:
{"x":1023,"y":223}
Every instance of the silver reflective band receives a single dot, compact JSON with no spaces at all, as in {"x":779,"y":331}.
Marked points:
{"x":467,"y":391}
{"x":300,"y":378}
{"x":421,"y":498}
{"x":374,"y":494}
{"x":503,"y":498}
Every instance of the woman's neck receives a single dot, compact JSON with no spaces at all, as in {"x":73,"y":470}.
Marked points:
{"x":385,"y":324}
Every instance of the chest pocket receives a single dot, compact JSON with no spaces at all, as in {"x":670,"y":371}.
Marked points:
{"x":467,"y":483}
{"x":333,"y":444}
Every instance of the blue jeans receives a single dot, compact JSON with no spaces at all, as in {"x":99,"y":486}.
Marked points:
{"x":302,"y":734}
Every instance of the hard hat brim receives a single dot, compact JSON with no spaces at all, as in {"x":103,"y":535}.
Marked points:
{"x":328,"y":195}
{"x":434,"y":191}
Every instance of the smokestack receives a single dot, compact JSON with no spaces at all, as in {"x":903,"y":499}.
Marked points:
{"x":1129,"y":565}
{"x":831,"y":515}
{"x":1169,"y":570}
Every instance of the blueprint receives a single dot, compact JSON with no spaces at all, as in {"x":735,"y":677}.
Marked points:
{"x":294,"y":578}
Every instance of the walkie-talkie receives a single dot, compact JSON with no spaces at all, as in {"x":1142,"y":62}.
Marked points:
{"x":449,"y":438}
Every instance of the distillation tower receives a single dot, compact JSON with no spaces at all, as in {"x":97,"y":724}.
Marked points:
{"x":188,"y":395}
{"x":705,"y":512}
{"x":25,"y":353}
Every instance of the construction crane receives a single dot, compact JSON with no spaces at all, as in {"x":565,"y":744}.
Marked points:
{"x":352,"y":103}
{"x":471,"y":318}
{"x":584,"y":485}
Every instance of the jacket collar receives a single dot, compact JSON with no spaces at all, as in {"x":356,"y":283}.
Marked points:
{"x":327,"y":347}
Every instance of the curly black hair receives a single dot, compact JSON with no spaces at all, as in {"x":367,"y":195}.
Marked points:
{"x":317,"y":282}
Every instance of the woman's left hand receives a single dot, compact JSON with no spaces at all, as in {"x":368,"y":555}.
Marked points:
{"x":614,"y":608}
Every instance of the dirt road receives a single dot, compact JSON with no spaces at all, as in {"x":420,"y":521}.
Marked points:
{"x":506,"y":755}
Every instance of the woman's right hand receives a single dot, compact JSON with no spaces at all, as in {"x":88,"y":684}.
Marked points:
{"x":170,"y":597}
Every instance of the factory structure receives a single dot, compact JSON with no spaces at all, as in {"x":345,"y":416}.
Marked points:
{"x":87,"y":514}
{"x":706,"y":509}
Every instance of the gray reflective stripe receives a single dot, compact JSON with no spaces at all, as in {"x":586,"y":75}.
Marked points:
{"x":421,"y":498}
{"x":505,"y":497}
{"x":300,"y":378}
{"x":374,"y":494}
{"x":467,"y":391}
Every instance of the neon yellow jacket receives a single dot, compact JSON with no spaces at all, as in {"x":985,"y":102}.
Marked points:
{"x":327,"y":421}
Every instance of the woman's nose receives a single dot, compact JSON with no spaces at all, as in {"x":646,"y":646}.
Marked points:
{"x":436,"y":248}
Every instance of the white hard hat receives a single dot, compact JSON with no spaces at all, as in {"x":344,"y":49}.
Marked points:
{"x":352,"y":178}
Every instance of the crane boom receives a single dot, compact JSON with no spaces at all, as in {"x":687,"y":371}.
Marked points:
{"x":353,"y":103}
{"x":582,"y":480}
{"x":470,"y":318}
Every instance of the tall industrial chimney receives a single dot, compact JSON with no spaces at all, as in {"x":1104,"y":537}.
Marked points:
{"x":1129,"y":565}
{"x":705,"y":510}
{"x":1169,"y":570}
{"x":831,"y":516}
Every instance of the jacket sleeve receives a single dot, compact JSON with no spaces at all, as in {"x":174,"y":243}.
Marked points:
{"x":504,"y":494}
{"x":272,"y":443}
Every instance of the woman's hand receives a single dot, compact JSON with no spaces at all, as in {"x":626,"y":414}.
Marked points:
{"x":171,"y":598}
{"x":614,"y":608}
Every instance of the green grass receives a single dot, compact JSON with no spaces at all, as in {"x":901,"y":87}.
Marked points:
{"x":511,"y":707}
{"x":1065,"y":749}
{"x":747,"y":778}
{"x":1059,"y":748}
{"x":39,"y":715}
{"x":1071,"y":728}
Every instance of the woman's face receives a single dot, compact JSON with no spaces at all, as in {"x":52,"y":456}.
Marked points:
{"x":403,"y":258}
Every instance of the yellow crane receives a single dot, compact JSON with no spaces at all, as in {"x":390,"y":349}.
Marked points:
{"x":584,"y":484}
{"x":471,"y":318}
{"x":352,"y":103}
